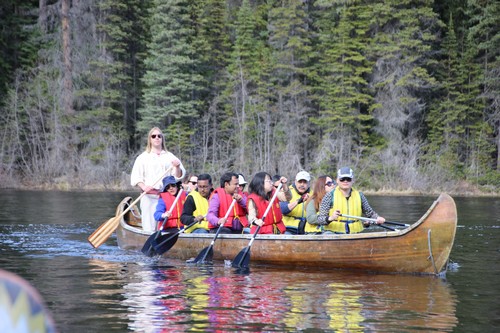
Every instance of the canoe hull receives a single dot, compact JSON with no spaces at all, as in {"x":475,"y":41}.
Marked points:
{"x":422,"y":248}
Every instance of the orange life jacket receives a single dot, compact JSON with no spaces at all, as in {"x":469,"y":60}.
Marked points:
{"x":237,"y":212}
{"x":273,"y":219}
{"x":174,"y":221}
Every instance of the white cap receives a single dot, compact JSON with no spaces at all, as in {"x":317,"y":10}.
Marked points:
{"x":303,"y":175}
{"x":241,"y":180}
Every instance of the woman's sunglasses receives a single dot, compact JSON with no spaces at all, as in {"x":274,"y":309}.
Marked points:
{"x":330,"y":183}
{"x":194,"y":183}
{"x":156,"y":135}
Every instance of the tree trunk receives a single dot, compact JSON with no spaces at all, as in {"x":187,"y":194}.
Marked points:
{"x":66,"y":38}
{"x":42,"y":15}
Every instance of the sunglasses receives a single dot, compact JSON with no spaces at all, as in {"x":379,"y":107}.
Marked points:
{"x":330,"y":183}
{"x":345,"y":179}
{"x":194,"y":183}
{"x":154,"y":136}
{"x":169,"y":186}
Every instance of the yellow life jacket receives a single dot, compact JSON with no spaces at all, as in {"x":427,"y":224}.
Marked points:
{"x":349,"y":206}
{"x":293,"y":218}
{"x":201,"y":204}
{"x":312,"y":228}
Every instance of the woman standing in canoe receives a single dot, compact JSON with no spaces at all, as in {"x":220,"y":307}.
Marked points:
{"x":148,"y":167}
{"x":261,"y":191}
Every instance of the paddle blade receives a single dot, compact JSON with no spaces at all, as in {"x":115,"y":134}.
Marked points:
{"x":242,"y":259}
{"x":101,"y":234}
{"x":162,"y":245}
{"x":205,"y":255}
{"x":148,"y":248}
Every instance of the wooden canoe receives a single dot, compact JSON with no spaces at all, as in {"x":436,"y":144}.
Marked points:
{"x":422,"y":248}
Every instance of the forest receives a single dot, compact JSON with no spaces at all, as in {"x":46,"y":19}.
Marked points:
{"x":406,"y":92}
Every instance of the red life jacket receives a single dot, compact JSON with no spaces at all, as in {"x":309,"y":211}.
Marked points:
{"x":273,"y":218}
{"x":237,"y":212}
{"x":174,"y":221}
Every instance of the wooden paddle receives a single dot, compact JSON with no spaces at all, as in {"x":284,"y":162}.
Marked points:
{"x":167,"y":244}
{"x":243,"y":258}
{"x":208,"y":252}
{"x":148,"y":248}
{"x":374,"y":220}
{"x":101,"y":234}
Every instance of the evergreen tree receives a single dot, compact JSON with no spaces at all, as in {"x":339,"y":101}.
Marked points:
{"x":484,"y":39}
{"x":18,"y":45}
{"x":404,"y":38}
{"x":243,"y":97}
{"x":341,"y":75}
{"x":172,"y":82}
{"x":213,"y":47}
{"x":290,"y":41}
{"x":447,"y":117}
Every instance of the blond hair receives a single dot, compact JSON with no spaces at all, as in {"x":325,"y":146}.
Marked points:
{"x":149,"y":146}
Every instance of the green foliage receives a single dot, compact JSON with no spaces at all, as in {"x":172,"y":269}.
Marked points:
{"x":19,"y":39}
{"x":171,"y":80}
{"x":342,"y":68}
{"x":258,"y":85}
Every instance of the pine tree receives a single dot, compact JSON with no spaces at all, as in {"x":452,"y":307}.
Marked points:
{"x":447,"y":119}
{"x":484,"y":39}
{"x":404,"y":38}
{"x":341,"y":74}
{"x":290,"y":42}
{"x":245,"y":94}
{"x":172,"y":82}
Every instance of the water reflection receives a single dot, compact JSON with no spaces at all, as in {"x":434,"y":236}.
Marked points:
{"x":185,"y":298}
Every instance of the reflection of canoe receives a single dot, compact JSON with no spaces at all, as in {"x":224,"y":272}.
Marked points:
{"x":422,"y":248}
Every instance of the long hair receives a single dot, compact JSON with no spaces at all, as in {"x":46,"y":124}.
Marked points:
{"x":149,"y":146}
{"x":257,"y":185}
{"x":318,"y":191}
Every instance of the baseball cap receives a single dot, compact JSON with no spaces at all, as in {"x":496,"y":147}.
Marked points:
{"x":241,"y":180}
{"x":303,"y":175}
{"x":345,"y":172}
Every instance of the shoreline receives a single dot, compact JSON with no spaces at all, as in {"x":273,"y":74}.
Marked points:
{"x":467,"y":191}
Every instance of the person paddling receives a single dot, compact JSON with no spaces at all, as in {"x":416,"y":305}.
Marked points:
{"x":166,"y":202}
{"x":345,"y":200}
{"x":196,"y":205}
{"x":220,"y":202}
{"x":261,"y":191}
{"x":294,"y":210}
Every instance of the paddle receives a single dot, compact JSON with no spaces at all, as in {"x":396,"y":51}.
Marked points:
{"x":148,"y":248}
{"x":243,"y":258}
{"x":208,"y":252}
{"x":101,"y":234}
{"x":375,"y":220}
{"x":167,"y":244}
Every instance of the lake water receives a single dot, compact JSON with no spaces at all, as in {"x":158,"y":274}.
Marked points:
{"x":43,"y":239}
